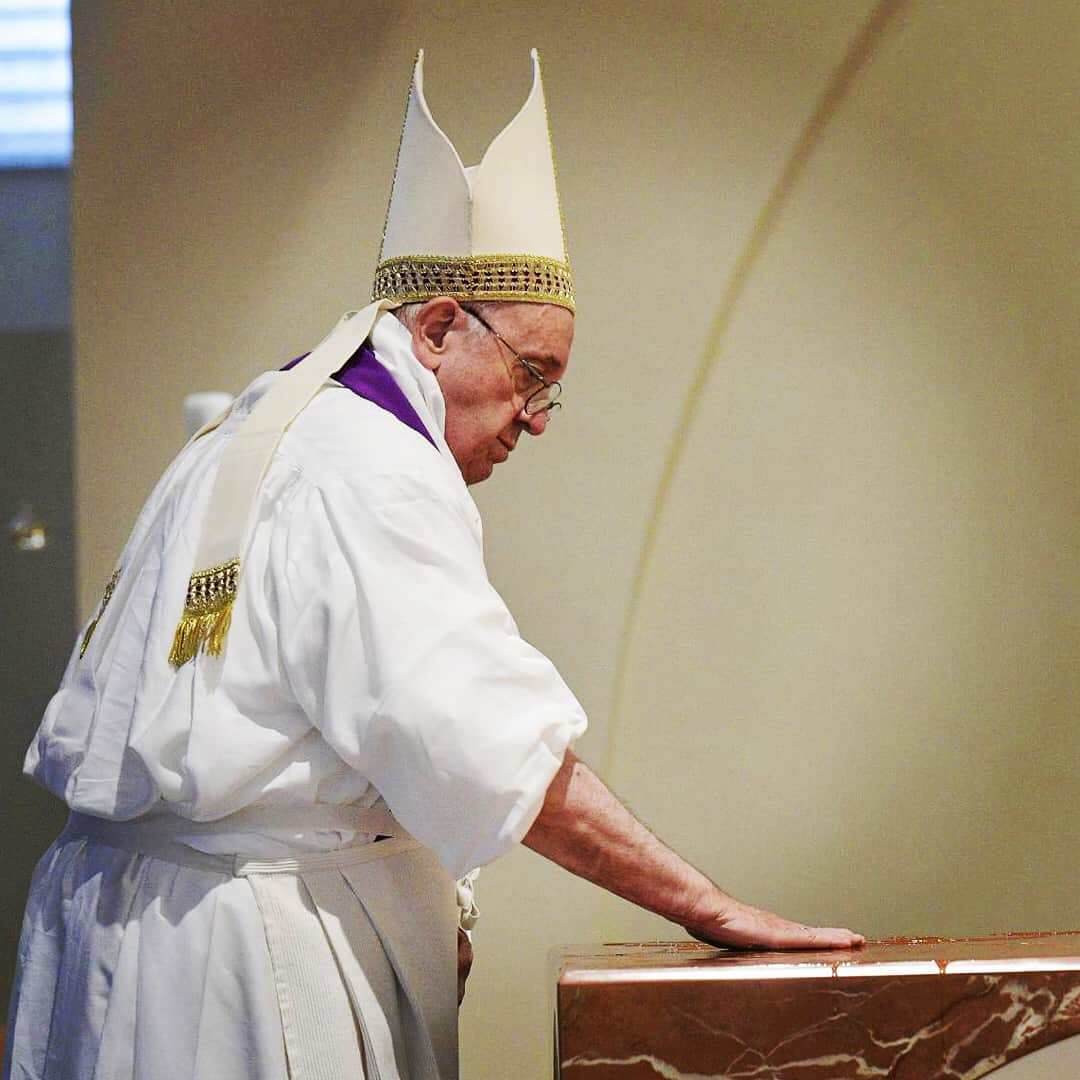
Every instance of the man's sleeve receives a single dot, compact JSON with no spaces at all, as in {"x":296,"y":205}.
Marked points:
{"x":406,"y":659}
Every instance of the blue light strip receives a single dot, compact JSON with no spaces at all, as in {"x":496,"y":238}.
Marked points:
{"x":35,"y":84}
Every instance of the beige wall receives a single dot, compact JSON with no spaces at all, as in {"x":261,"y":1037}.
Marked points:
{"x":850,"y":684}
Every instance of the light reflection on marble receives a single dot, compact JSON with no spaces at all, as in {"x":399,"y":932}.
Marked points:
{"x":909,"y":1010}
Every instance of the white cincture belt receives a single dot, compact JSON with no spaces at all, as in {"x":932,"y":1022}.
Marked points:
{"x":163,"y":836}
{"x":384,"y":927}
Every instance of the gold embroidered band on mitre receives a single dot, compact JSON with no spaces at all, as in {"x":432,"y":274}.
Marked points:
{"x":407,"y":279}
{"x":207,"y":612}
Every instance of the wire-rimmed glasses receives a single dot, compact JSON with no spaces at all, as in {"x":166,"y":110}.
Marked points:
{"x":545,"y":398}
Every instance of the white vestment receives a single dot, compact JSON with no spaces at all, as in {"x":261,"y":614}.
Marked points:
{"x":370,"y":667}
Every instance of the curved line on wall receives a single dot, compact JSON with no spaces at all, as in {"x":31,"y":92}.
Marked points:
{"x":837,"y":87}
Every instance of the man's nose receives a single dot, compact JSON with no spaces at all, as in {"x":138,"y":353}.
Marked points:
{"x":534,"y":424}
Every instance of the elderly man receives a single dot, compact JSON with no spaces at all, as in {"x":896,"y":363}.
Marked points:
{"x":301,"y":711}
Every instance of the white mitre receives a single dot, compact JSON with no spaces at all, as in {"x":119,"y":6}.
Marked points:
{"x":493,"y":231}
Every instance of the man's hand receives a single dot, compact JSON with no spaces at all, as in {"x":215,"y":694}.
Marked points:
{"x":740,"y":926}
{"x":585,"y":829}
{"x":464,"y":962}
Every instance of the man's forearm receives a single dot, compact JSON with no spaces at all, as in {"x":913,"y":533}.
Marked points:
{"x":585,"y":829}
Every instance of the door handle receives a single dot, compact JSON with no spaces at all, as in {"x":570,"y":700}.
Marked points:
{"x":27,"y":531}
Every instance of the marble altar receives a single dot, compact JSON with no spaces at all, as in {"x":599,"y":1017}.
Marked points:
{"x":908,"y":1009}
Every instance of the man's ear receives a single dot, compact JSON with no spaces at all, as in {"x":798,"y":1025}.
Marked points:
{"x":432,"y":324}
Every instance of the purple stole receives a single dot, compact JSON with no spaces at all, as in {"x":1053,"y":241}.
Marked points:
{"x":367,"y":378}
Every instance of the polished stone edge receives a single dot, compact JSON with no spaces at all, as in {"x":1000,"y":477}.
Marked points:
{"x":840,"y":970}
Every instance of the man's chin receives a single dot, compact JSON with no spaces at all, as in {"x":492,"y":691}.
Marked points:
{"x":478,"y":472}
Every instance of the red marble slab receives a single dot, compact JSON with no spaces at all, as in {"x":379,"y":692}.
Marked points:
{"x":909,"y":1009}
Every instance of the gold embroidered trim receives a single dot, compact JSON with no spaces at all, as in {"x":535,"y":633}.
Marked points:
{"x":409,"y":278}
{"x":207,"y":612}
{"x":109,"y":590}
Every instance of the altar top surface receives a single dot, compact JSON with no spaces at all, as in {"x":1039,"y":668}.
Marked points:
{"x":661,"y":961}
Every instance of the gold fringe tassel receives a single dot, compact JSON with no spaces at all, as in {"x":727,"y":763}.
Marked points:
{"x":207,"y":613}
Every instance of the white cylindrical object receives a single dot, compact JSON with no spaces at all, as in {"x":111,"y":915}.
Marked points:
{"x":202,"y":407}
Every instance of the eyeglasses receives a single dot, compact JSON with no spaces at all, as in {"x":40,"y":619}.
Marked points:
{"x":545,"y":398}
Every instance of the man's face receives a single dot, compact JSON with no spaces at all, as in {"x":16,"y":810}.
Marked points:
{"x":484,"y":386}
